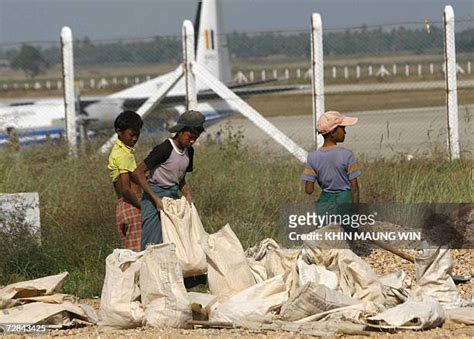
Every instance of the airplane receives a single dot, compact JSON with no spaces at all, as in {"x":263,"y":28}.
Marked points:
{"x":39,"y":120}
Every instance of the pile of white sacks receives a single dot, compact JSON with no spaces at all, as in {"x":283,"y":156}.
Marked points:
{"x":38,"y":301}
{"x":268,"y":283}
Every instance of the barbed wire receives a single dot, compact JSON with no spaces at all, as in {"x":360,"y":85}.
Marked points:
{"x":255,"y":32}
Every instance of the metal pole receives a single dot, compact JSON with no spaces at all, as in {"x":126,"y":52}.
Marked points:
{"x":451,"y":83}
{"x":69,"y":100}
{"x":245,"y":109}
{"x":318,"y":74}
{"x":189,"y":56}
{"x":150,"y":104}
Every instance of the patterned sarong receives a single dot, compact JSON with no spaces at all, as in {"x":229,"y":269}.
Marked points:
{"x":129,"y":225}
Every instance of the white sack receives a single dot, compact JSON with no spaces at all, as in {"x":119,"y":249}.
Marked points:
{"x":353,"y":313}
{"x":418,"y":312}
{"x":258,"y":270}
{"x":464,"y":315}
{"x":280,"y":261}
{"x":182,"y":226}
{"x":258,"y":252}
{"x":162,"y":288}
{"x":48,"y":314}
{"x":57,"y":298}
{"x":228,"y":270}
{"x":203,"y":304}
{"x":253,"y":302}
{"x":356,"y":278}
{"x":268,"y":259}
{"x":394,"y":288}
{"x":394,"y":279}
{"x":31,"y":288}
{"x":203,"y":299}
{"x":433,"y":269}
{"x":120,"y":304}
{"x":312,"y":299}
{"x":275,"y":259}
{"x":316,"y":274}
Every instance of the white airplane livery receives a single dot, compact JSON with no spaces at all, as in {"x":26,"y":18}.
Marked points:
{"x":41,"y":120}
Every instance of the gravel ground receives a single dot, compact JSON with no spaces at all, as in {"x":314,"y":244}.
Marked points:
{"x":384,"y":262}
{"x":449,"y":330}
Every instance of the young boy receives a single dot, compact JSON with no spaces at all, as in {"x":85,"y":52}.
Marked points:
{"x":167,"y":164}
{"x":121,"y":165}
{"x":334,"y":168}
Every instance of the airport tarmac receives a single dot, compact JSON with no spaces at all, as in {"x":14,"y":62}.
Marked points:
{"x":385,"y":87}
{"x":380,"y":133}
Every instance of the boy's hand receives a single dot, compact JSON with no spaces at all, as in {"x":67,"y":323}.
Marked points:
{"x":158,"y":204}
{"x":189,"y":198}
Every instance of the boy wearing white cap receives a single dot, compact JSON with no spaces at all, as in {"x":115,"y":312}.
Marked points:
{"x":334,"y":168}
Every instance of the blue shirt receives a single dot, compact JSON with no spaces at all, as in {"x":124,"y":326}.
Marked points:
{"x":332,"y":168}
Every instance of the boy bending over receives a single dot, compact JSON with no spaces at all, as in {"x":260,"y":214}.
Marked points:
{"x":167,"y":164}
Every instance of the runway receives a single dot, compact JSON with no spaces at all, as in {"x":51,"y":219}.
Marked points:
{"x":380,"y":133}
{"x":382,"y":87}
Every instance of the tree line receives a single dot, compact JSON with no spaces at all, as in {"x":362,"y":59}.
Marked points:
{"x":35,"y":59}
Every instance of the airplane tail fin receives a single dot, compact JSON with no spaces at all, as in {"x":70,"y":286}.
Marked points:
{"x":212,"y":49}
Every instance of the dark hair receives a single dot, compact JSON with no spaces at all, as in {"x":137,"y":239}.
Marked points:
{"x":328,"y":134}
{"x":193,"y":130}
{"x":128,"y":119}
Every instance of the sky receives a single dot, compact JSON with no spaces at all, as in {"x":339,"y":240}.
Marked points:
{"x":42,"y":20}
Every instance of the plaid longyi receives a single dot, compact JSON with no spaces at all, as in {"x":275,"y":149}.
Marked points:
{"x":129,"y":225}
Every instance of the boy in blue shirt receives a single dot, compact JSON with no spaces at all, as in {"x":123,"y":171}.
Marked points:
{"x":334,"y":168}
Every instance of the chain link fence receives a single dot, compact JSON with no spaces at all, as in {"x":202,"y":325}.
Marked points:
{"x":390,"y":76}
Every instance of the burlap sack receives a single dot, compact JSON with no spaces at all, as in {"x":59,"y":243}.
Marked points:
{"x":182,"y":226}
{"x":253,"y":302}
{"x":312,"y":299}
{"x":228,"y":269}
{"x":162,"y":288}
{"x":120,"y":305}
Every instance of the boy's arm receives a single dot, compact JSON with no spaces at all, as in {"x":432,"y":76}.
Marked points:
{"x":309,"y":187}
{"x":309,"y":175}
{"x":127,"y":193}
{"x":139,"y":176}
{"x":184,"y":188}
{"x":355,"y":191}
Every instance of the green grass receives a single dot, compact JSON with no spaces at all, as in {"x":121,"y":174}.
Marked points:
{"x":231,"y":184}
